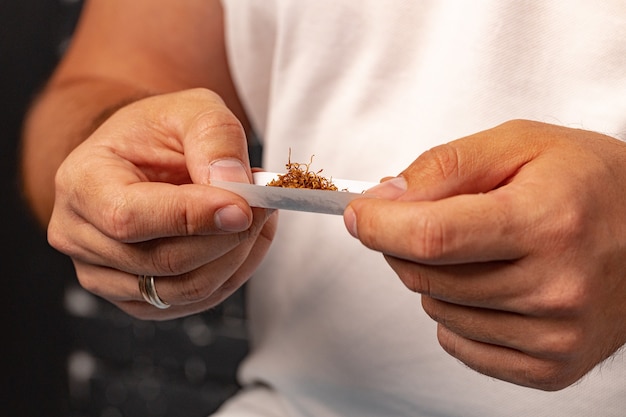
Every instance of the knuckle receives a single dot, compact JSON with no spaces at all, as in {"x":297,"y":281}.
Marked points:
{"x":550,"y":376}
{"x":565,"y":296}
{"x":90,"y":282}
{"x":432,"y":308}
{"x":444,"y":161}
{"x":416,"y":282}
{"x":558,"y":362}
{"x":563,"y":344}
{"x":217,"y":119}
{"x":119,"y":222}
{"x":166,"y":261}
{"x":571,"y":225}
{"x":516,"y":124}
{"x":203,"y":94}
{"x":431,"y":244}
{"x":411,"y":275}
{"x":448,"y":340}
{"x":193,"y":291}
{"x":90,"y":285}
{"x":59,"y":240}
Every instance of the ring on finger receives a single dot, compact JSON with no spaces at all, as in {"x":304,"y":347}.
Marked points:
{"x":148,"y":291}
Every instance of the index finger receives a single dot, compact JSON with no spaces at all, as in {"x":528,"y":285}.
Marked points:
{"x":138,"y":176}
{"x":464,"y":201}
{"x":453,"y":230}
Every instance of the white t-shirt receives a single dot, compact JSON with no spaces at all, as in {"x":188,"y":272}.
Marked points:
{"x":366,"y":86}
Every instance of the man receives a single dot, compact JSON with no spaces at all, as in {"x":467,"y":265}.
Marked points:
{"x":513,"y":236}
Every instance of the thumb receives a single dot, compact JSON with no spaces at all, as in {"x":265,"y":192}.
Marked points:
{"x":473,"y":164}
{"x":214,"y":141}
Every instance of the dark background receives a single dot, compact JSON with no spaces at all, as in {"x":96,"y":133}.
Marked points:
{"x":66,"y":352}
{"x":32,"y":289}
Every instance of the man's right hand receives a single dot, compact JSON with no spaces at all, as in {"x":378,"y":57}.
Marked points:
{"x":135,"y":199}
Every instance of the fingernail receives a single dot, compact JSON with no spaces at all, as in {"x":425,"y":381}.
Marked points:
{"x":349,"y":218}
{"x":390,"y":189}
{"x":228,"y":169}
{"x":231,"y":219}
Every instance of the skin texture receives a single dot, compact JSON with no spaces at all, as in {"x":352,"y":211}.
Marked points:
{"x":133,"y":199}
{"x":132,"y":196}
{"x":515,"y":237}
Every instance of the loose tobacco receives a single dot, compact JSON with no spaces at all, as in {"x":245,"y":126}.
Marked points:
{"x":299,"y":175}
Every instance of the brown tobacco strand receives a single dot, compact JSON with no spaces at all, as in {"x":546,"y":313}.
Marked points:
{"x":300,"y":176}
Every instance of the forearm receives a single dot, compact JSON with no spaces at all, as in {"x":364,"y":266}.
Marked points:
{"x":63,"y":116}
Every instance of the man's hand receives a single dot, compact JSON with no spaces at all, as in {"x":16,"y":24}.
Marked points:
{"x":135,"y":199}
{"x":516,"y":238}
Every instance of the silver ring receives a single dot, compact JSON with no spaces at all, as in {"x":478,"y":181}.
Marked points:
{"x":149,"y":293}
